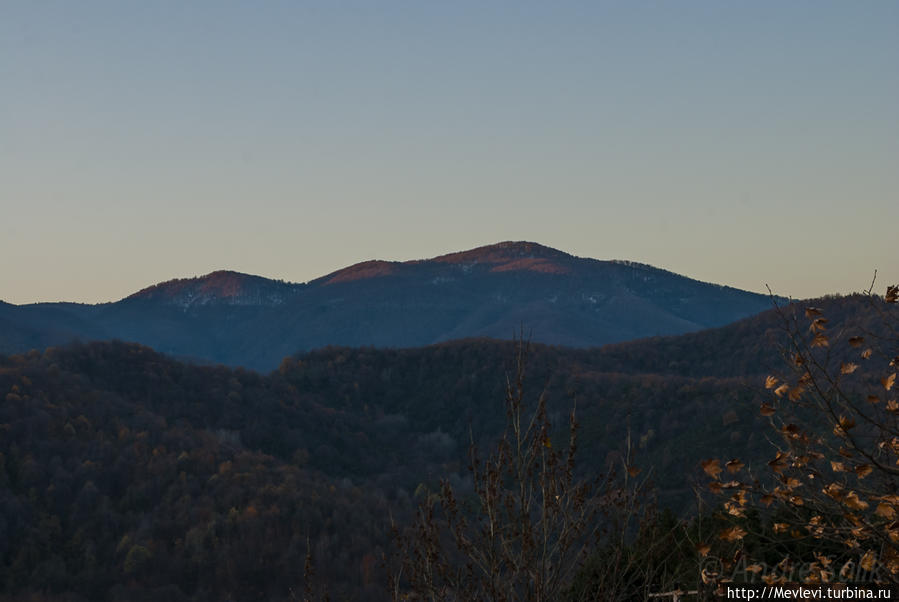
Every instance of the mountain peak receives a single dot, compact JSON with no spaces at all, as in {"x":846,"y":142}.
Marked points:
{"x":361,"y":271}
{"x":505,"y":251}
{"x":514,"y":256}
{"x":500,"y":257}
{"x":224,"y":287}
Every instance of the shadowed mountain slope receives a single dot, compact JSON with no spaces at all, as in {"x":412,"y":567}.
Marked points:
{"x":490,"y":291}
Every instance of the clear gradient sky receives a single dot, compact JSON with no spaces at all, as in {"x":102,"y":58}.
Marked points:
{"x":742,"y":143}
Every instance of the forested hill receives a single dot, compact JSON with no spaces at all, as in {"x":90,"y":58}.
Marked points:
{"x":249,"y":321}
{"x":127,"y":475}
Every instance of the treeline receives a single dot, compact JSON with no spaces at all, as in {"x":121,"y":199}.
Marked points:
{"x":104,"y":496}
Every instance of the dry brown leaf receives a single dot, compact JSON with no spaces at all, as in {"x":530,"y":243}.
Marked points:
{"x":712,"y":467}
{"x":732,"y":534}
{"x":873,"y":399}
{"x":886,"y":511}
{"x":848,"y":368}
{"x":792,"y":483}
{"x":888,"y":381}
{"x":891,"y":561}
{"x":863,"y":470}
{"x":819,"y":341}
{"x":734,"y":510}
{"x":779,"y":462}
{"x":715,"y":487}
{"x":853,"y":501}
{"x":893,"y":532}
{"x":834,"y":490}
{"x":866,"y":353}
{"x":766,"y":410}
{"x":856,"y":341}
{"x":811,"y":312}
{"x":818,"y":325}
{"x":837,"y":466}
{"x":734,"y":466}
{"x":781,"y":390}
{"x":703,"y":549}
{"x":633,"y":470}
{"x":740,"y":497}
{"x":868,"y":560}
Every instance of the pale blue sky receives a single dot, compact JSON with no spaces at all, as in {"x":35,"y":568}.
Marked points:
{"x":737,"y":142}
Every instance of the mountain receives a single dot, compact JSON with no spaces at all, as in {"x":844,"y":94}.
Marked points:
{"x":491,"y":291}
{"x":219,"y":288}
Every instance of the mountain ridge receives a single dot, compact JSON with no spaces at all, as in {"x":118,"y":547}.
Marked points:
{"x":493,"y":290}
{"x":229,"y":286}
{"x":503,"y":256}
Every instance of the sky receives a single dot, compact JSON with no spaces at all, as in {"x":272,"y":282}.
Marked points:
{"x":742,"y":143}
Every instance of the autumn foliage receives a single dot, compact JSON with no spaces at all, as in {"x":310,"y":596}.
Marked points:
{"x":832,"y":481}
